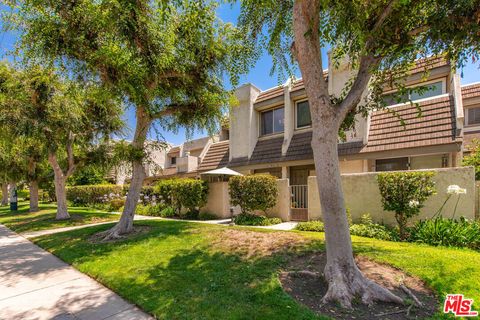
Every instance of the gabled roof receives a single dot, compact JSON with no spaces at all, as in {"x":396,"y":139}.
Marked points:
{"x":173,"y":150}
{"x":216,"y":156}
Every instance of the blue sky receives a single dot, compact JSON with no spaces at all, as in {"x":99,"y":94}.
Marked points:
{"x":259,"y":75}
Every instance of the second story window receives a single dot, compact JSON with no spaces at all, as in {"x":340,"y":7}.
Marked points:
{"x":272,"y":121}
{"x":473,"y":116}
{"x":303,"y":115}
{"x":173,"y":161}
{"x":431,"y":90}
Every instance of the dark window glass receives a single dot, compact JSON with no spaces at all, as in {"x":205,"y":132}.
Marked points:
{"x":391,"y":164}
{"x":272,"y":121}
{"x":278,"y":120}
{"x":267,"y":122}
{"x":173,"y":160}
{"x":393,"y":98}
{"x":473,"y":116}
{"x":431,"y":90}
{"x":303,"y":114}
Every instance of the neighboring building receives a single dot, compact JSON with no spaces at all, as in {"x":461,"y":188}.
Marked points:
{"x":270,"y":131}
{"x":184,"y":160}
{"x":158,"y":154}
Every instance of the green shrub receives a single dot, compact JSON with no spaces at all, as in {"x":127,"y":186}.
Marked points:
{"x":207,"y":216}
{"x":314,"y":225}
{"x":405,"y":193}
{"x":87,"y":195}
{"x":190,"y":215}
{"x":116,"y":204}
{"x":447,"y":232}
{"x":254,"y":192}
{"x":190,"y":194}
{"x":186,"y":193}
{"x":248,"y":219}
{"x":141,"y":209}
{"x":373,"y":230}
{"x":23,"y":194}
{"x":167,"y":212}
{"x":473,"y":159}
{"x":164,"y":189}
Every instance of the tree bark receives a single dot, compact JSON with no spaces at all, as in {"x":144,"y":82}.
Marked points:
{"x":125,"y":225}
{"x":34,"y":196}
{"x":345,"y":281}
{"x":60,"y":180}
{"x":4,"y":194}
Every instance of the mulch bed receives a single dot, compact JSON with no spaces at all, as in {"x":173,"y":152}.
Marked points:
{"x":309,"y":290}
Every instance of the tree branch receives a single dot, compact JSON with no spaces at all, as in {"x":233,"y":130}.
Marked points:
{"x":361,"y":81}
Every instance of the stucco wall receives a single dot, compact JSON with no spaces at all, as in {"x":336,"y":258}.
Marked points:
{"x":282,"y":208}
{"x":362,"y":196}
{"x":351,"y":166}
{"x":218,"y":200}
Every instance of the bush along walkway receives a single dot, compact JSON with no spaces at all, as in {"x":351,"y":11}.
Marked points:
{"x":37,"y":285}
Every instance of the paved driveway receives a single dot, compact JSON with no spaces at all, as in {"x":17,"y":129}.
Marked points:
{"x":36,"y":285}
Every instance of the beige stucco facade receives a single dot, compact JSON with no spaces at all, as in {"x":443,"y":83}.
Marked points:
{"x":363,"y":196}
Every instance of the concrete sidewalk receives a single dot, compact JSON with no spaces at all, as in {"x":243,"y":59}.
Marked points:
{"x":36,"y":285}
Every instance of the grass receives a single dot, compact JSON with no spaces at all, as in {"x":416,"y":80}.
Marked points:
{"x":23,"y":221}
{"x":179,"y":270}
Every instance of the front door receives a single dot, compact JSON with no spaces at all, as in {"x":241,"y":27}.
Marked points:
{"x":299,"y":192}
{"x":299,"y":174}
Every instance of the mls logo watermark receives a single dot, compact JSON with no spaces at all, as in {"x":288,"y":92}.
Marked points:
{"x":459,"y":305}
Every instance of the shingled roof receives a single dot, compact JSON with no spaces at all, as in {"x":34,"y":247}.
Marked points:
{"x":471,"y":91}
{"x":216,"y":157}
{"x":435,"y":126}
{"x":421,"y":65}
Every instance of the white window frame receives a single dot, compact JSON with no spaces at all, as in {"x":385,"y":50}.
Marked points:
{"x":295,"y":112}
{"x":443,"y":80}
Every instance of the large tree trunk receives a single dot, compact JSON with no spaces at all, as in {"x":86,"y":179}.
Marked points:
{"x":34,"y":196}
{"x":4,"y":194}
{"x":60,"y":181}
{"x":345,"y":281}
{"x":125,"y":225}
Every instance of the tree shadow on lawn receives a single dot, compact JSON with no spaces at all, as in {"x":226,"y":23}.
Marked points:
{"x":45,"y":219}
{"x":24,"y":207}
{"x":174,"y":273}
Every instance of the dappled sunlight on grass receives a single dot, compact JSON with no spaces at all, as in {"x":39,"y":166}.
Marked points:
{"x":174,"y":271}
{"x":182,"y":270}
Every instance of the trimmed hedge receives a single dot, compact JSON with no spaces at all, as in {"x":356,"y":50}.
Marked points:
{"x":94,"y":194}
{"x":248,"y":219}
{"x":184,"y":193}
{"x":254,"y":192}
{"x":313,"y":225}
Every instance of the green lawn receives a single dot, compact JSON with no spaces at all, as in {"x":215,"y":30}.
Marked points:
{"x":181,"y":270}
{"x":24,"y":221}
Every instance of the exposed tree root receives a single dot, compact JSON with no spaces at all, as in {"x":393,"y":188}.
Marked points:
{"x":111,"y":234}
{"x":410,"y":293}
{"x":344,"y":285}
